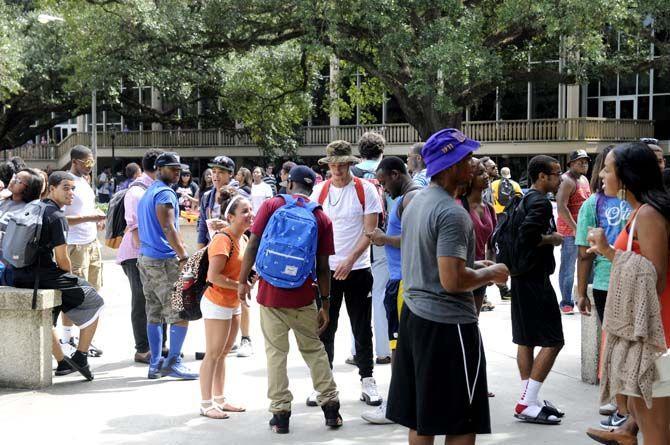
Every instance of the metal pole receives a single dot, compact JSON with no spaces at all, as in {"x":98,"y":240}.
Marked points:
{"x":94,"y":138}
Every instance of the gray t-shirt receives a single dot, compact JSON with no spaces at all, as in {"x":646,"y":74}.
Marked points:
{"x":435,"y":225}
{"x":7,"y":206}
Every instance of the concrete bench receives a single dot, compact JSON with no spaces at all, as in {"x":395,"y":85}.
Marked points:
{"x":25,"y":349}
{"x":591,"y":338}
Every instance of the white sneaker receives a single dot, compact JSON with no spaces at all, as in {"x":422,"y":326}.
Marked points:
{"x":369,"y":392}
{"x":608,"y":409}
{"x":245,"y":349}
{"x":377,"y":416}
{"x":312,"y":399}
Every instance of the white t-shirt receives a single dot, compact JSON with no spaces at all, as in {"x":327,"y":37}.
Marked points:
{"x":346,"y":212}
{"x":259,"y":193}
{"x":82,"y":204}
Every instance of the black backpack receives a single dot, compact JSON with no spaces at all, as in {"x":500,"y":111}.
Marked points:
{"x":505,"y":192}
{"x":115,"y":224}
{"x":505,"y":239}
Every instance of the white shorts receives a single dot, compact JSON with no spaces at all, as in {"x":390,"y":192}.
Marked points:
{"x":212,"y":311}
{"x":661,"y":387}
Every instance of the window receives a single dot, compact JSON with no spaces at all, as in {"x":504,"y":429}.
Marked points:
{"x":514,"y":101}
{"x":485,"y":110}
{"x":661,"y":82}
{"x":544,"y":100}
{"x":662,"y":117}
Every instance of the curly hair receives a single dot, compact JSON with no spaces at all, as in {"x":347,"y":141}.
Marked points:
{"x":371,"y":145}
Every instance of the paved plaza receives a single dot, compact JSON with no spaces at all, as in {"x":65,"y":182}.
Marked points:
{"x":122,"y":407}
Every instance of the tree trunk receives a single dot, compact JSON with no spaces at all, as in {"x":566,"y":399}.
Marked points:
{"x":421,"y":114}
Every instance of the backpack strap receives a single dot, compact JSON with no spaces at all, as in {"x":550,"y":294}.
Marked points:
{"x":38,"y":236}
{"x":138,"y":183}
{"x":360,"y":191}
{"x":324,"y":191}
{"x":288,"y":199}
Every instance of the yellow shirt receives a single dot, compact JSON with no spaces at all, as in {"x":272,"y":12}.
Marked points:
{"x":499,"y":208}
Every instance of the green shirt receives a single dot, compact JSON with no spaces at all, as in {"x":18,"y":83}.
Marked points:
{"x":612,"y":217}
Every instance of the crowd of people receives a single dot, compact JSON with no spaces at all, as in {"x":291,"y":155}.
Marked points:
{"x":409,"y":247}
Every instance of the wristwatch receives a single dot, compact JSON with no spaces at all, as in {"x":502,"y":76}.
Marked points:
{"x":325,"y":298}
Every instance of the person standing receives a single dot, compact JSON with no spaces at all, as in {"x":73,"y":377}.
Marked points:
{"x":632,"y":172}
{"x":353,"y":205}
{"x":186,"y":189}
{"x":398,"y":184}
{"x":283,"y":175}
{"x":269,"y":178}
{"x":129,"y":251}
{"x":483,"y":221}
{"x":105,"y":185}
{"x":219,"y":305}
{"x":503,"y":190}
{"x":416,"y":165}
{"x":260,"y":190}
{"x":83,"y":220}
{"x":132,"y":172}
{"x":286,"y":309}
{"x":371,"y":148}
{"x":574,"y":190}
{"x":223,"y":169}
{"x":162,"y":254}
{"x":536,"y":317}
{"x":438,"y":385}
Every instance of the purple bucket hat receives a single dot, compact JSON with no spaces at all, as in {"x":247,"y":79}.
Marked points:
{"x":446,"y":148}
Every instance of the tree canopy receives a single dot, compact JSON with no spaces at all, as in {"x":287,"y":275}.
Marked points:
{"x":261,"y":59}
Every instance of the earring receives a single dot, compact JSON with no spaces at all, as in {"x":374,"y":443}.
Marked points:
{"x":621,"y":194}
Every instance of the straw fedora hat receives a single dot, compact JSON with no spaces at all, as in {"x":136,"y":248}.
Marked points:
{"x":338,"y":152}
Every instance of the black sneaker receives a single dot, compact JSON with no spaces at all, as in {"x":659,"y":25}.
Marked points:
{"x":64,"y":368}
{"x":351,"y":361}
{"x":279,"y":422}
{"x":331,"y":411}
{"x":79,"y":362}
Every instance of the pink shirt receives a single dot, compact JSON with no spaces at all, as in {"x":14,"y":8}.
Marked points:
{"x":127,"y":249}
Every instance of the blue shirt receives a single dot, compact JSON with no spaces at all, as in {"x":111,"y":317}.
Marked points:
{"x":153,"y":242}
{"x":393,"y":259}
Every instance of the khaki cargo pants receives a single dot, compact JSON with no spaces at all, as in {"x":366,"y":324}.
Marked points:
{"x":86,"y":262}
{"x":276,"y":323}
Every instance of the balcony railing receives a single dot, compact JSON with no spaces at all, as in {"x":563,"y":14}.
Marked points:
{"x":534,"y":130}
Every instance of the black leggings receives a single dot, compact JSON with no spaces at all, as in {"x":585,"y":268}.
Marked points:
{"x":599,"y":298}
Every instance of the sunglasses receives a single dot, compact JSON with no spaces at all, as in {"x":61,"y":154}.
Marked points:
{"x":649,"y":141}
{"x":16,"y":180}
{"x":88,"y":163}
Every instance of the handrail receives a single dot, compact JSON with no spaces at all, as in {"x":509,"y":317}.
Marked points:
{"x":521,"y":130}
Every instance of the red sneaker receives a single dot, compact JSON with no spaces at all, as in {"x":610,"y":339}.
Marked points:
{"x":568,"y":310}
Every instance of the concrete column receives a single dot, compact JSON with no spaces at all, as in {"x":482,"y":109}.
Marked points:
{"x":334,"y":109}
{"x":81,"y":124}
{"x":156,"y":104}
{"x":26,"y":337}
{"x":591,"y":341}
{"x":572,"y":108}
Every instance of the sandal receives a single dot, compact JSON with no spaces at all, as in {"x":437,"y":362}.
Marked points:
{"x":212,"y":411}
{"x":542,"y":417}
{"x":553,"y":409}
{"x":225,"y":406}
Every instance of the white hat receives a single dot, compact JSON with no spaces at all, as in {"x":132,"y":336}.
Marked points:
{"x":505,"y":173}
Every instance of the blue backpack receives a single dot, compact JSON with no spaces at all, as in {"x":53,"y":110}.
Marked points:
{"x":287,"y":253}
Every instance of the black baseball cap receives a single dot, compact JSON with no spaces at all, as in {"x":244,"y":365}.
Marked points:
{"x":168,"y":159}
{"x":223,"y":162}
{"x":303,"y":175}
{"x":577,"y":155}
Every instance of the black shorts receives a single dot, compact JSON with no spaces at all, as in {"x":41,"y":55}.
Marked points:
{"x":393,"y":299}
{"x":429,"y":390}
{"x":536,"y":316}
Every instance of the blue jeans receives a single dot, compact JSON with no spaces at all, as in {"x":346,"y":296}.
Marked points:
{"x":566,"y":274}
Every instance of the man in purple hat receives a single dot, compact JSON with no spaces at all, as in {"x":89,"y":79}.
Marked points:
{"x":438,"y":384}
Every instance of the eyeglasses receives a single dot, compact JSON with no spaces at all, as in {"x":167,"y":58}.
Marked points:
{"x":87,"y":163}
{"x":556,"y":174}
{"x":649,"y":141}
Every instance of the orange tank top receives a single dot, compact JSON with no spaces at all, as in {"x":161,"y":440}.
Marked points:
{"x":575,"y":201}
{"x":621,"y":243}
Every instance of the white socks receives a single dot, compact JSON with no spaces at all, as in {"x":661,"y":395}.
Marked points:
{"x":529,"y":396}
{"x":66,"y":333}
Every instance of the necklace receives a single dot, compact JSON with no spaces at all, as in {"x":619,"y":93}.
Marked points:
{"x":337,"y":201}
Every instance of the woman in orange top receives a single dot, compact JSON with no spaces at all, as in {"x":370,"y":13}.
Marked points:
{"x":219,"y":305}
{"x":631,"y":172}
